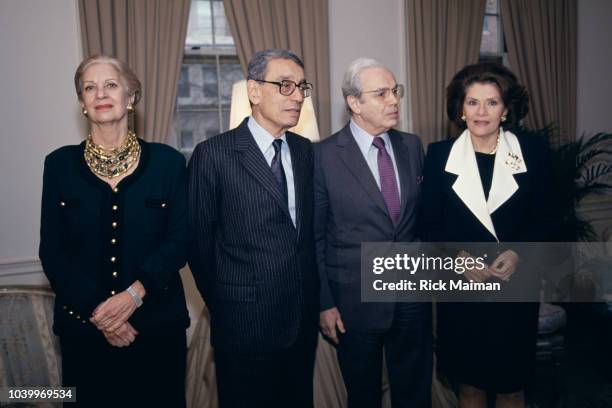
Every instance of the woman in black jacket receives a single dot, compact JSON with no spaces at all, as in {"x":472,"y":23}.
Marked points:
{"x":113,"y":238}
{"x":487,"y":185}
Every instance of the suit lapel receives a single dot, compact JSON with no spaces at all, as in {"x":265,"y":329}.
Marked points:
{"x":298,"y":164}
{"x":402,"y":160}
{"x":462,"y":162}
{"x":468,"y":186}
{"x":254,"y":162}
{"x":353,"y":159}
{"x":508,"y":161}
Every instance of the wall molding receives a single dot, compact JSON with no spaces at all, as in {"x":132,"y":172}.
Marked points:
{"x":22,"y":271}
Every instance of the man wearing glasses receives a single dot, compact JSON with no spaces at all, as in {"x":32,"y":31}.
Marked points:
{"x":253,"y":257}
{"x":367,"y":190}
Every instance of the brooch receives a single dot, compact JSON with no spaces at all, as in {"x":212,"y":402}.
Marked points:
{"x":513,"y":161}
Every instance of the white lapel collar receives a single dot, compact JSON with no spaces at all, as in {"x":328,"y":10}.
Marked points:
{"x":462,"y":162}
{"x":508,"y":161}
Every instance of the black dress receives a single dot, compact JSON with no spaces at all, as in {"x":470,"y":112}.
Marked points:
{"x":96,"y":241}
{"x":487,"y":345}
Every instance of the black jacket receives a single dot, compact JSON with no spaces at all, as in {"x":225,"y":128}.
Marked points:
{"x":94,"y":239}
{"x":255,"y":270}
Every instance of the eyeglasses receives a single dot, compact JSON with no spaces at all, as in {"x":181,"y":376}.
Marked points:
{"x":397,"y":91}
{"x":286,"y":87}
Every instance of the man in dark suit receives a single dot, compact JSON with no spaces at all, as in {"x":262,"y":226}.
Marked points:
{"x":367,"y":190}
{"x":253,"y":257}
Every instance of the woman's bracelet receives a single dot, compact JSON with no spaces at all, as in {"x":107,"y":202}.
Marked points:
{"x":135,"y":297}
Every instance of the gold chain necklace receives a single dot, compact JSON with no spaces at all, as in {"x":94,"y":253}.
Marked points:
{"x":113,"y":162}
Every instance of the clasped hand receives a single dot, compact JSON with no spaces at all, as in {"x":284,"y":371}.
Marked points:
{"x":502,"y":267}
{"x":111,"y":317}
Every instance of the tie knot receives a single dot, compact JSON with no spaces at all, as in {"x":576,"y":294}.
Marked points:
{"x":379,"y":143}
{"x":277,"y":144}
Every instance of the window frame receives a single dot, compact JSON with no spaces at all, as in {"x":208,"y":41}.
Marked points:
{"x":201,"y":54}
{"x":501,"y":41}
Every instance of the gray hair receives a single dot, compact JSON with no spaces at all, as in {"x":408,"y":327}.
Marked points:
{"x":259,"y":61}
{"x":351,"y":82}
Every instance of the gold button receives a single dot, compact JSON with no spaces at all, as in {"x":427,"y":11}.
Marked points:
{"x":113,"y":241}
{"x":62,"y":204}
{"x":114,"y":224}
{"x":164,"y":205}
{"x":65,"y":307}
{"x":70,"y":312}
{"x":78,"y":316}
{"x":115,"y":274}
{"x":115,"y":190}
{"x":113,"y":292}
{"x":113,"y":259}
{"x":115,"y":208}
{"x":83,"y":321}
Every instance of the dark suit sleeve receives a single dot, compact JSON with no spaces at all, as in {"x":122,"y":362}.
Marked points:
{"x":430,"y":216}
{"x":320,"y":229}
{"x":171,"y":255}
{"x":203,"y":215}
{"x":74,"y":287}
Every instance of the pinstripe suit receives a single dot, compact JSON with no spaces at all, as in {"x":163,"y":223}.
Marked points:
{"x":255,"y":269}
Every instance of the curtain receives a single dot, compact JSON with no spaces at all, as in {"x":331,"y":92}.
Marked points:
{"x":443,"y":37}
{"x":149,"y":35}
{"x":297,"y":25}
{"x":541,"y":37}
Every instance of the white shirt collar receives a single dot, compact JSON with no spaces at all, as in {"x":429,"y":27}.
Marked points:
{"x":364,"y":139}
{"x":263,"y":138}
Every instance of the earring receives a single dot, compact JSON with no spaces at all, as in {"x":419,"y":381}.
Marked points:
{"x":463,"y":118}
{"x":84,"y":112}
{"x":130,"y":108}
{"x":503,"y":118}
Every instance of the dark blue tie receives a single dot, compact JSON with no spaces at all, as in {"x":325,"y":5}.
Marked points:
{"x":277,"y":167}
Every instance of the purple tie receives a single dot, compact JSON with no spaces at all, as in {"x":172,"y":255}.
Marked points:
{"x":388,"y":182}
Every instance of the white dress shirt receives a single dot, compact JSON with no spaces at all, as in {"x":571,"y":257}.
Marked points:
{"x":264,"y":140}
{"x":370,"y":152}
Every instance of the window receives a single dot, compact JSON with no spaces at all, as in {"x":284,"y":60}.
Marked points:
{"x":492,"y":46}
{"x":210,"y":67}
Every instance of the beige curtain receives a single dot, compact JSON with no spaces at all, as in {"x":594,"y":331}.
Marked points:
{"x":443,"y":37}
{"x":298,"y":25}
{"x":150,"y":36}
{"x":541,"y":40}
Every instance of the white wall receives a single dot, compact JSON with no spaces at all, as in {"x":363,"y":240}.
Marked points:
{"x":594,"y":110}
{"x":364,"y":28}
{"x":40,"y":47}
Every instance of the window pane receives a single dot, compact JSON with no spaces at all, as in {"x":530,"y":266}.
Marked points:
{"x":490,"y":37}
{"x":196,"y":127}
{"x":202,"y":83}
{"x":491,"y":7}
{"x":199,"y":28}
{"x":223,"y":35}
{"x":183,"y":86}
{"x":231,"y":71}
{"x":226,"y":118}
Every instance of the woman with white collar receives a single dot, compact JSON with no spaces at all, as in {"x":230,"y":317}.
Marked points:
{"x":487,"y":185}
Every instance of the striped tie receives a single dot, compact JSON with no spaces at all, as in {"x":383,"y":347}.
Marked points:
{"x":388,"y":181}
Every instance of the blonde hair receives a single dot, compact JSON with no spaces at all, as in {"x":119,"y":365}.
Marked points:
{"x":128,"y":77}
